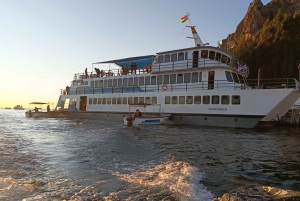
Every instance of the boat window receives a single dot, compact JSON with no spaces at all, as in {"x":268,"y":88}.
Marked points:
{"x":159,"y":79}
{"x":187,"y":77}
{"x":142,"y":100}
{"x":153,"y":80}
{"x":136,"y":81}
{"x":113,"y":100}
{"x":141,"y":81}
{"x":99,"y":101}
{"x":200,"y":76}
{"x":186,"y":56}
{"x":194,"y":77}
{"x":241,"y":78}
{"x":110,"y":83}
{"x":179,"y":78}
{"x":86,"y":82}
{"x":235,"y":78}
{"x":224,"y":59}
{"x":108,"y":101}
{"x":204,"y":54}
{"x":212,"y":55}
{"x":148,"y":100}
{"x":218,"y":56}
{"x":225,"y":100}
{"x":166,"y":79}
{"x":229,"y":61}
{"x":181,"y":99}
{"x":95,"y":101}
{"x":136,"y":100}
{"x":120,"y":82}
{"x":124,"y":82}
{"x":228,"y":76}
{"x":147,"y":80}
{"x":119,"y":101}
{"x":167,"y":58}
{"x":206,"y":99}
{"x":172,"y":78}
{"x":92,"y":84}
{"x":189,"y":100}
{"x":96,"y":84}
{"x":160,"y":59}
{"x":174,"y":57}
{"x":130,"y":81}
{"x":105,"y":83}
{"x":215,"y":100}
{"x":197,"y":99}
{"x":167,"y":100}
{"x":180,"y":56}
{"x":235,"y":100}
{"x":154,"y":100}
{"x":130,"y":100}
{"x":104,"y":101}
{"x":115,"y":82}
{"x":125,"y":100}
{"x":100,"y":83}
{"x":174,"y":99}
{"x":90,"y":101}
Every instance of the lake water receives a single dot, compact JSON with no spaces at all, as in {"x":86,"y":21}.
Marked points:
{"x":73,"y":159}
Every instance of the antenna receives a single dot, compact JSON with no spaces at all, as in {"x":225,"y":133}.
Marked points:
{"x":196,"y":37}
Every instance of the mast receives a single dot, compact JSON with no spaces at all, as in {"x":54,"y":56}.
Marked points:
{"x":198,"y":41}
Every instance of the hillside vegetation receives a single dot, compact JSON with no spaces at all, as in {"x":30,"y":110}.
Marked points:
{"x":275,"y":49}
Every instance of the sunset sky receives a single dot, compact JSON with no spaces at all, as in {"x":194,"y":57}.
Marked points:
{"x":44,"y":43}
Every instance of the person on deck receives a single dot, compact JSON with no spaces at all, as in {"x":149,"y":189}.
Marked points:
{"x":36,"y":109}
{"x":86,"y":73}
{"x":137,"y":113}
{"x":67,"y":90}
{"x":48,"y":108}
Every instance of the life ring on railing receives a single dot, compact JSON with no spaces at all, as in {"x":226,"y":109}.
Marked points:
{"x":79,"y":91}
{"x":117,"y":89}
{"x":164,"y":87}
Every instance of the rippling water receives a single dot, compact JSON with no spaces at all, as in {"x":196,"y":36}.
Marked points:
{"x":72,"y":159}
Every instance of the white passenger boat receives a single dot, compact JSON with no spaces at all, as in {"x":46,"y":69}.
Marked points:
{"x":156,"y":118}
{"x":201,"y":85}
{"x":18,"y":107}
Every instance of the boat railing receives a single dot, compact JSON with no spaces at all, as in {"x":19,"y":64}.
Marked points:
{"x":249,"y":84}
{"x":161,"y":67}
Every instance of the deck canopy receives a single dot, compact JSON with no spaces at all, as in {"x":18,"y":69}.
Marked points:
{"x":38,"y":103}
{"x":140,"y":61}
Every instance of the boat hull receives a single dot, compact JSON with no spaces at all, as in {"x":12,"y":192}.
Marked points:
{"x":52,"y":114}
{"x":145,"y":120}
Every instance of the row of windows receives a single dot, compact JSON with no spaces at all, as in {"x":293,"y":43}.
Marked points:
{"x":149,"y":80}
{"x":224,"y":100}
{"x":204,"y":54}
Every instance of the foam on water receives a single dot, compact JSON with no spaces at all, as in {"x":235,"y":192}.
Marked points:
{"x":171,"y":179}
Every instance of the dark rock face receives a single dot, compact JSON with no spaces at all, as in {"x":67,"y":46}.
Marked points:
{"x":260,"y":193}
{"x":258,"y":14}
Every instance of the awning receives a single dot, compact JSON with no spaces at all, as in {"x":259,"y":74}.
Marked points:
{"x":140,"y":61}
{"x":38,"y":103}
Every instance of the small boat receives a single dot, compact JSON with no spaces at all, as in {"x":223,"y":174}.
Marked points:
{"x":8,"y":108}
{"x":37,"y":112}
{"x":157,"y":118}
{"x":18,"y":107}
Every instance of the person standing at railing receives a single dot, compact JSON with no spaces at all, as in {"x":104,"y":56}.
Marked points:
{"x":134,"y":67}
{"x":131,"y":68}
{"x":86,"y":73}
{"x":48,"y":108}
{"x":67,"y":90}
{"x":125,"y":69}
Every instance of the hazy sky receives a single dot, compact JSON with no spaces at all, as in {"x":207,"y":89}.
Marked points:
{"x":44,"y":43}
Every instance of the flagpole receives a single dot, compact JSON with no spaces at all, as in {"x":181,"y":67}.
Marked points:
{"x":188,"y":15}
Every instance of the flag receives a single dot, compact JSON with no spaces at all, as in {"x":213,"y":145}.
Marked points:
{"x":193,"y":30}
{"x":184,"y":18}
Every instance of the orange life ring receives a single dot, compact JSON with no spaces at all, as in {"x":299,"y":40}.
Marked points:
{"x":117,"y":89}
{"x":164,"y":87}
{"x":79,"y":91}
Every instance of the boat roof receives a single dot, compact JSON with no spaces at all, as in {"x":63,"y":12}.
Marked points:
{"x":40,"y":103}
{"x":140,"y":61}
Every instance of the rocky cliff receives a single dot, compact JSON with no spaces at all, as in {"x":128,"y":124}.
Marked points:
{"x":257,"y":15}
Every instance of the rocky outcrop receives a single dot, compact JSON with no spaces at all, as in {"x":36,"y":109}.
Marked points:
{"x":257,"y":15}
{"x":259,"y":193}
